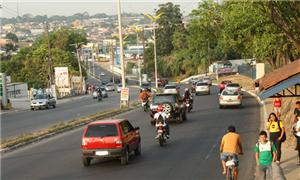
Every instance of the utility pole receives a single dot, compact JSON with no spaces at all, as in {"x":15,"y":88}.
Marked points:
{"x":155,"y":60}
{"x":77,"y":46}
{"x":121,"y":46}
{"x":112,"y":59}
{"x":50,"y":63}
{"x":143,"y":41}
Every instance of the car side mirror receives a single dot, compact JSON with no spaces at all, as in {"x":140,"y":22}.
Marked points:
{"x":137,"y":128}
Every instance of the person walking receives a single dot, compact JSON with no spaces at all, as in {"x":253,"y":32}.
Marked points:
{"x":296,"y":111}
{"x":297,"y":135}
{"x":265,"y":154}
{"x":277,"y":106}
{"x":277,"y":131}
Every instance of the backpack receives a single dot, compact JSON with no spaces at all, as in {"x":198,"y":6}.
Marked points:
{"x":283,"y":139}
{"x":271,"y":143}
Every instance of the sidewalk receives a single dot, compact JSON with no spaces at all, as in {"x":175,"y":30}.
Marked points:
{"x":289,"y":157}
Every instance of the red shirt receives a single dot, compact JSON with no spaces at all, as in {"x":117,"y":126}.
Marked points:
{"x":277,"y":102}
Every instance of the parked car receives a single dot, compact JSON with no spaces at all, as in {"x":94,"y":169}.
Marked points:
{"x":172,"y":106}
{"x":202,"y":88}
{"x":115,"y":138}
{"x":223,"y":85}
{"x":119,"y":87}
{"x":171,"y":89}
{"x":103,"y":91}
{"x":207,"y":80}
{"x":40,"y":101}
{"x":230,"y":98}
{"x":234,"y":87}
{"x":102,"y":74}
{"x":110,"y":87}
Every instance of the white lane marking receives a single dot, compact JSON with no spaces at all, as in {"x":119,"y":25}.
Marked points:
{"x":211,"y":150}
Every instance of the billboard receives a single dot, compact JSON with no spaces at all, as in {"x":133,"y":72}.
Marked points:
{"x":62,"y":79}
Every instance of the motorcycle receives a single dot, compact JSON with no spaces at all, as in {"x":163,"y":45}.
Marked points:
{"x":189,"y":105}
{"x":161,"y":134}
{"x":145,"y":105}
{"x":99,"y":96}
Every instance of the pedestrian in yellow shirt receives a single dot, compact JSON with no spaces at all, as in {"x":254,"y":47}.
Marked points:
{"x":276,"y":129}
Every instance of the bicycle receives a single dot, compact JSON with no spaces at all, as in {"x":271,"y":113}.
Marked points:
{"x":230,"y":166}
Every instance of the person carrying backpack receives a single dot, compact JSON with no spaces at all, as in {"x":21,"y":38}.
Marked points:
{"x":277,"y":133}
{"x":265,"y":154}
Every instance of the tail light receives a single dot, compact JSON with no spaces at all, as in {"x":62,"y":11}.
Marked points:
{"x":239,"y":97}
{"x":119,"y":142}
{"x":84,"y":141}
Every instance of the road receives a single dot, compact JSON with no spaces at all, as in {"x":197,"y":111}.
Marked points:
{"x":192,"y":152}
{"x":18,"y":123}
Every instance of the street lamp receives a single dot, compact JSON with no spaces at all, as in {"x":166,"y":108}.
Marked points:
{"x":153,"y":20}
{"x":137,"y":30}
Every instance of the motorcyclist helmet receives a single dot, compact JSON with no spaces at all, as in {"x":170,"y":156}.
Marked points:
{"x":160,"y":108}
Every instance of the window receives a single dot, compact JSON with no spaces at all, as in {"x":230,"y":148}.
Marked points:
{"x":101,"y":130}
{"x":202,"y":84}
{"x":230,"y":93}
{"x":126,"y":127}
{"x":170,"y":87}
{"x":164,"y":99}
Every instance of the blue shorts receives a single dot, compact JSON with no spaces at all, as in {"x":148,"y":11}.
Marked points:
{"x":225,"y":155}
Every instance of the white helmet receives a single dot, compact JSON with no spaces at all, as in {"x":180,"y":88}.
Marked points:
{"x":186,"y":89}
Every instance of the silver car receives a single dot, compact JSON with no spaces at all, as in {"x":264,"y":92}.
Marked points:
{"x":234,"y":87}
{"x":119,"y":87}
{"x":207,"y":80}
{"x":202,"y":88}
{"x":40,"y":101}
{"x":110,"y":87}
{"x":230,"y":98}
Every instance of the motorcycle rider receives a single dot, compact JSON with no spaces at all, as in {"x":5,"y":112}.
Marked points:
{"x":187,"y":96}
{"x":144,"y":96}
{"x":159,"y":116}
{"x":99,"y":92}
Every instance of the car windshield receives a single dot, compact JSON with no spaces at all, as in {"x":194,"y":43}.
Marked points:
{"x":225,"y":82}
{"x":206,"y":78}
{"x":40,"y":96}
{"x":145,"y":85}
{"x":109,"y":84}
{"x":170,"y":87}
{"x":164,"y":99}
{"x":120,"y":85}
{"x":202,"y":84}
{"x":233,"y":85}
{"x":101,"y":130}
{"x":230,"y":93}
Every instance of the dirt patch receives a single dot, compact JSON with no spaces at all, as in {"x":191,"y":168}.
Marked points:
{"x":246,"y":82}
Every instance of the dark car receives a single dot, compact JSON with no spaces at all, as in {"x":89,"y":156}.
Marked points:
{"x":115,"y":138}
{"x":172,"y":106}
{"x":146,"y":86}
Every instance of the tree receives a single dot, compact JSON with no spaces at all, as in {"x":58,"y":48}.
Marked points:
{"x":285,"y":15}
{"x":170,"y":20}
{"x":31,"y":64}
{"x":12,"y":37}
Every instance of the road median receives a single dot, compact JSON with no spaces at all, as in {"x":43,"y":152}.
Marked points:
{"x":29,"y":138}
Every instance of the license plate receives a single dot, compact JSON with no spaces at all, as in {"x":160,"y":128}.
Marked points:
{"x":230,"y":100}
{"x":101,"y":153}
{"x":160,"y":131}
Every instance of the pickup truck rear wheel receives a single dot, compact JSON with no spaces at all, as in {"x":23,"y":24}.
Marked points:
{"x":86,"y":161}
{"x":125,"y":157}
{"x":138,"y":150}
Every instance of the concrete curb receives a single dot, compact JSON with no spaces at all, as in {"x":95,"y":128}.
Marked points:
{"x":38,"y":139}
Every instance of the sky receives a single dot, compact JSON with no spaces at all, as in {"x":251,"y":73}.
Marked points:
{"x":11,"y":8}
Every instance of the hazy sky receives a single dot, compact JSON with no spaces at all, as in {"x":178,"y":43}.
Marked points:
{"x":70,"y":7}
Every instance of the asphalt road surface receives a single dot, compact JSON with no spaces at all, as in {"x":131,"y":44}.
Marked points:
{"x":17,"y":123}
{"x":192,"y":152}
